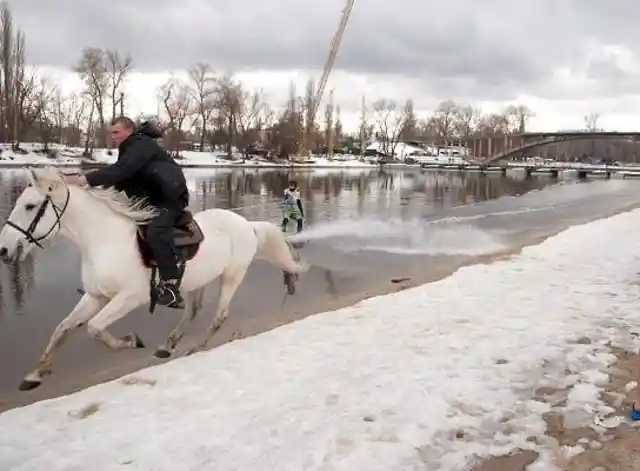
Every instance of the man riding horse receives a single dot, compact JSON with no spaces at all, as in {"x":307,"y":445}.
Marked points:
{"x":145,"y":170}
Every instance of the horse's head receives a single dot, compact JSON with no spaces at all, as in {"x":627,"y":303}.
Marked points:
{"x":36,"y":214}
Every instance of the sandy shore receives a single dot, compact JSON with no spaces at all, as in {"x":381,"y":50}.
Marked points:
{"x":615,"y":449}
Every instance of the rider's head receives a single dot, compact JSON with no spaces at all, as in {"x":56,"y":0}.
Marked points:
{"x":293,"y":184}
{"x":121,"y":128}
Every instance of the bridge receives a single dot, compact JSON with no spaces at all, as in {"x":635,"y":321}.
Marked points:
{"x":550,"y":168}
{"x":491,"y":150}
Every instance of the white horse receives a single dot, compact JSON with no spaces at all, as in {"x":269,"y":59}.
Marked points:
{"x":115,"y":280}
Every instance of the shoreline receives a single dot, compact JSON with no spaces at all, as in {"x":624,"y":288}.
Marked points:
{"x":470,"y":168}
{"x":4,"y":165}
{"x":292,"y":166}
{"x":235,"y":329}
{"x":413,"y":275}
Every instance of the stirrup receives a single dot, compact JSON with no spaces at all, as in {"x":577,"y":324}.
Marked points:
{"x":168,"y":295}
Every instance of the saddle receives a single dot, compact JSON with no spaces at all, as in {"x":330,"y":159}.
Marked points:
{"x":187,"y":237}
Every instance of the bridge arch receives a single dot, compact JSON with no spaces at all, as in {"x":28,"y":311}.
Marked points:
{"x":554,"y":138}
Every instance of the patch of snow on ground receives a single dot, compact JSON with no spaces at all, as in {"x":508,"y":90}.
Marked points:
{"x":73,"y":156}
{"x":33,"y":154}
{"x":433,"y":377}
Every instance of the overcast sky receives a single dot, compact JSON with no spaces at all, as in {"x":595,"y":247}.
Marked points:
{"x":564,"y":58}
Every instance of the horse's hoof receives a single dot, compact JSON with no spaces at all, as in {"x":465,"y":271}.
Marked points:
{"x":400,"y":280}
{"x":290,"y":282}
{"x":29,"y":384}
{"x":134,"y":339}
{"x":162,"y":353}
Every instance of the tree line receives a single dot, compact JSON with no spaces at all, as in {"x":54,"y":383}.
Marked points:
{"x":207,"y":110}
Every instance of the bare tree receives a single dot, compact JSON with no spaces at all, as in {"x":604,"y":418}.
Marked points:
{"x":445,"y":118}
{"x":75,"y":111}
{"x":17,"y":85}
{"x":309,"y":106}
{"x":493,"y":124}
{"x":337,"y":127}
{"x":266,"y":120}
{"x":467,"y":120}
{"x":428,"y":130}
{"x":93,"y":71}
{"x":58,"y":114}
{"x":328,"y":129}
{"x":204,"y":92}
{"x":592,"y":122}
{"x":389,"y":121}
{"x":178,"y":105}
{"x":7,"y":55}
{"x":518,"y":117}
{"x":229,"y":105}
{"x":116,"y":69}
{"x":249,"y":121}
{"x":90,"y":130}
{"x":47,"y":109}
{"x":409,"y":131}
{"x":365,"y":131}
{"x":33,"y":96}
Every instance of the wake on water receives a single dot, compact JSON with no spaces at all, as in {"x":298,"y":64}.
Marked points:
{"x":403,"y":237}
{"x":468,"y":230}
{"x":452,"y":235}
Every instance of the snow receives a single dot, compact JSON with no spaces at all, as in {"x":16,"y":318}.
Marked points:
{"x":33,"y":154}
{"x":432,"y":377}
{"x":70,"y":156}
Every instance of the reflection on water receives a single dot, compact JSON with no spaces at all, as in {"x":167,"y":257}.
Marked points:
{"x":16,"y":281}
{"x":333,"y":195}
{"x":329,"y":196}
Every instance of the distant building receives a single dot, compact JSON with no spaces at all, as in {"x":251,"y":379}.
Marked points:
{"x":421,"y":153}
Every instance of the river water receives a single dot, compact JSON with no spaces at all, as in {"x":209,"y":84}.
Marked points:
{"x":365,"y":231}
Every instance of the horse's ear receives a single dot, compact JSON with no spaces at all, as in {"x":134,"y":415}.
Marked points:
{"x":32,"y":177}
{"x":45,"y":179}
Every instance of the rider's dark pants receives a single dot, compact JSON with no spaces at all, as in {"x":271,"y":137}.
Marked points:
{"x":160,"y":240}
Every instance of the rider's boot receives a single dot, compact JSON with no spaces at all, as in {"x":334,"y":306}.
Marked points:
{"x":299,"y":222}
{"x":169,"y":294}
{"x":285,"y":223}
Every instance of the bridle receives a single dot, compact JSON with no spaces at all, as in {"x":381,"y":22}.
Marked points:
{"x":28,"y":232}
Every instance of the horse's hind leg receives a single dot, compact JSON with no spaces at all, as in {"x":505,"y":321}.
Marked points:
{"x":229,"y":283}
{"x":117,"y":308}
{"x":87,"y":307}
{"x":193,"y":304}
{"x":289,"y":278}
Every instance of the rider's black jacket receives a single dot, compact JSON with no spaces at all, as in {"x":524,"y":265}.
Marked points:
{"x":145,"y":170}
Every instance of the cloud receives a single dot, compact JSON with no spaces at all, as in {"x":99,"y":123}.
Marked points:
{"x":494,"y":50}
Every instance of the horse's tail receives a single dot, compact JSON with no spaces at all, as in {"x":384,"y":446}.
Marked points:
{"x":276,"y":249}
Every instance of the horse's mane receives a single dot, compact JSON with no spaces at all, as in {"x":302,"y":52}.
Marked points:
{"x":136,"y":210}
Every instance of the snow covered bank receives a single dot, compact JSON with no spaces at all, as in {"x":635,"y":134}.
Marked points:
{"x":32,"y":154}
{"x":427,"y":378}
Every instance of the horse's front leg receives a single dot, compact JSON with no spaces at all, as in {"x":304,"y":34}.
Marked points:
{"x":117,"y":308}
{"x":193,"y":304}
{"x":229,"y":284}
{"x":87,"y":307}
